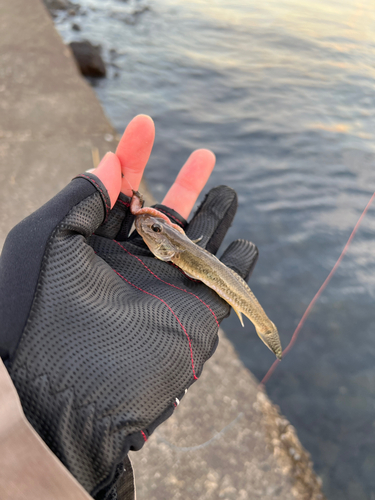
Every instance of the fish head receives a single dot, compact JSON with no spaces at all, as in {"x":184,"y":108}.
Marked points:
{"x":160,"y":237}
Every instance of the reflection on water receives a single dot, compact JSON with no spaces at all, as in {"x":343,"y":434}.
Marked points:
{"x":283,"y":92}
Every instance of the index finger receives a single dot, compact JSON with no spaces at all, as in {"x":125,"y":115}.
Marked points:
{"x":134,"y":150}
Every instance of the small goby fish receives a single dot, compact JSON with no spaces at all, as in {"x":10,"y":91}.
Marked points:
{"x":168,"y":242}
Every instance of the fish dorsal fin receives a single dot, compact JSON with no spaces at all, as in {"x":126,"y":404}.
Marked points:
{"x":239,"y":314}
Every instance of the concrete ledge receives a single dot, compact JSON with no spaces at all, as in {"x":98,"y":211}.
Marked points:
{"x":50,"y":118}
{"x":226,"y":440}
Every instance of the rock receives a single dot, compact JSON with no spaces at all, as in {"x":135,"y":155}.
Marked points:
{"x":292,"y":457}
{"x":54,"y":6}
{"x":76,"y":27}
{"x":89,"y":59}
{"x":57,"y":4}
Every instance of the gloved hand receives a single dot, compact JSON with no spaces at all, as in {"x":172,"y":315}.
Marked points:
{"x":100,"y":338}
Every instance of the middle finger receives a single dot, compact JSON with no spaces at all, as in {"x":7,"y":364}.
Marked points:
{"x":190,"y":181}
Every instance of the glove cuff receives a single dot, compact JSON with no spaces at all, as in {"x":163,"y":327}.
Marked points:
{"x":97,"y":183}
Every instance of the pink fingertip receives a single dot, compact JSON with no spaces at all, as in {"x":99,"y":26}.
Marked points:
{"x":190,"y":182}
{"x":134,"y":150}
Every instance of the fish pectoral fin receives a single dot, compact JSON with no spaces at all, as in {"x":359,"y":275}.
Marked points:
{"x":191,"y":276}
{"x":198,"y":239}
{"x":163,"y":259}
{"x":239,"y":314}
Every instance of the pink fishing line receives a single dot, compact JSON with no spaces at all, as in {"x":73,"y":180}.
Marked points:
{"x":317,"y":295}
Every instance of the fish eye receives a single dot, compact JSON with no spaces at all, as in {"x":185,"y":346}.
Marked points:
{"x":156,"y":228}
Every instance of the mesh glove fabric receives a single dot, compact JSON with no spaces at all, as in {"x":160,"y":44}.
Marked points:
{"x":100,"y":338}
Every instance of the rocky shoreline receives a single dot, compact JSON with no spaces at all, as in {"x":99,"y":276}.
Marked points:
{"x":87,"y":56}
{"x":291,"y":455}
{"x":57,"y":5}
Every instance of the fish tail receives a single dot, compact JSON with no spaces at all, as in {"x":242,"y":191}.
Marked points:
{"x":272,"y":340}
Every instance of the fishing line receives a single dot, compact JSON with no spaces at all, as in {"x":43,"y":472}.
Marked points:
{"x":217,"y":436}
{"x":317,"y":295}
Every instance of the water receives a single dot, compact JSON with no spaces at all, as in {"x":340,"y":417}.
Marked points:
{"x":283,"y":92}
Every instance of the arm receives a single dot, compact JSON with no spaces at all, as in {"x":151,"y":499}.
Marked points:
{"x":28,"y":468}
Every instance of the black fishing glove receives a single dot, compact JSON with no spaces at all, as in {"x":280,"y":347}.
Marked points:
{"x":100,"y":338}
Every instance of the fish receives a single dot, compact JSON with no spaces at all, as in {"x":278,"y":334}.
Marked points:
{"x":169,"y":243}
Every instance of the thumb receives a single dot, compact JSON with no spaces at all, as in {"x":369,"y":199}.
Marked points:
{"x":109,"y":172}
{"x":80,"y":207}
